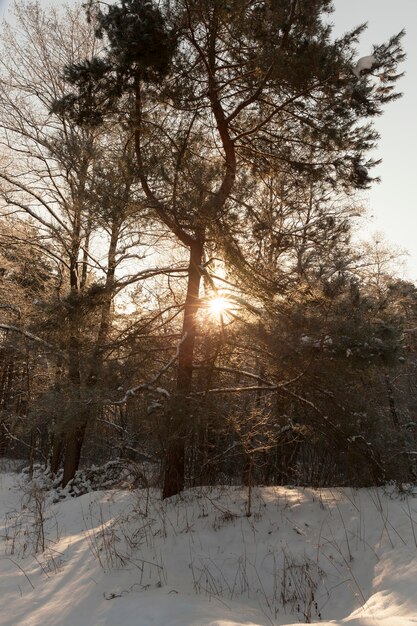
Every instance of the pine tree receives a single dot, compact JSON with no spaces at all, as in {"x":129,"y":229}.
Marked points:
{"x":217,"y":95}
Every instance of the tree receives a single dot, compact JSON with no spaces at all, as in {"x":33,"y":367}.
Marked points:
{"x":27,"y":361}
{"x":245,"y":88}
{"x":55,"y":176}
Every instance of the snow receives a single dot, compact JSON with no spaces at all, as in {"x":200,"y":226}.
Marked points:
{"x":126,"y":558}
{"x":364,"y":63}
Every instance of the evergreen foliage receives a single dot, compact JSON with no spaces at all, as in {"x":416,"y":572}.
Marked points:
{"x":235,"y":133}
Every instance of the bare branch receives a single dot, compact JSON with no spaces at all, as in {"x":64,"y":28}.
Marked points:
{"x":32,"y":337}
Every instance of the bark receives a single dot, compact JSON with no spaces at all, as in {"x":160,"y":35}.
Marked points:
{"x":179,"y":418}
{"x":57,"y":446}
{"x":73,"y":453}
{"x":391,"y":401}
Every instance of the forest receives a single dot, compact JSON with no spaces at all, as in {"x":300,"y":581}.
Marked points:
{"x":184,"y":291}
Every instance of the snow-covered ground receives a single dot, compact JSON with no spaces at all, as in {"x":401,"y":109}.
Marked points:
{"x":124,"y":558}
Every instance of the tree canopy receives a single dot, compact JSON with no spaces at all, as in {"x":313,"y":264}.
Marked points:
{"x":190,"y":150}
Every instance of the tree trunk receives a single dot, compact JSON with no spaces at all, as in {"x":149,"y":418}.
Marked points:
{"x":73,"y":453}
{"x":57,"y":446}
{"x":75,"y":438}
{"x":180,"y":410}
{"x":391,"y":401}
{"x":75,"y":383}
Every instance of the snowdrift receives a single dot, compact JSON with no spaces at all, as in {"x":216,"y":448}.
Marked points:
{"x":127,"y":558}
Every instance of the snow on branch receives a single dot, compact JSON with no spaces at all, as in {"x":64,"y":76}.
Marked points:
{"x":151,"y":385}
{"x":264,"y":386}
{"x":12,"y":437}
{"x":365,"y":64}
{"x":236,"y":389}
{"x":233,"y":370}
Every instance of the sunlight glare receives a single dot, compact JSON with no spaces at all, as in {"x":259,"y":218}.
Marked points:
{"x":217,"y":306}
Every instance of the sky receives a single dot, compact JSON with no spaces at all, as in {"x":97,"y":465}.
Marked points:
{"x":392,"y":203}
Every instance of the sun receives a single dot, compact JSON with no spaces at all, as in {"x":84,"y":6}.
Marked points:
{"x":217,"y":306}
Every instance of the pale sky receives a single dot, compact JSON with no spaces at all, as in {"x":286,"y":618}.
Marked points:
{"x":393,"y":202}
